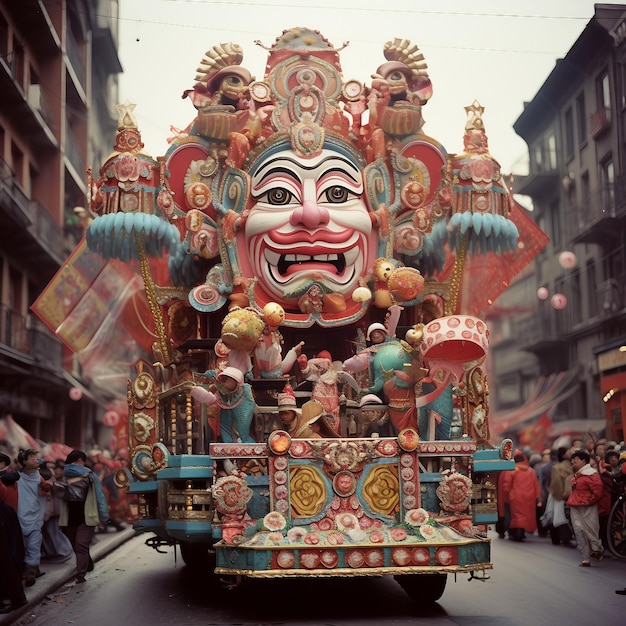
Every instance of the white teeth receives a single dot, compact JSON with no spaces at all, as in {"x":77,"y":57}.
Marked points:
{"x":351,"y":256}
{"x":272,"y":257}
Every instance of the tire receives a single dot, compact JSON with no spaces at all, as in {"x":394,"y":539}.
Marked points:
{"x":423,"y":588}
{"x":198,"y":555}
{"x":616,"y":529}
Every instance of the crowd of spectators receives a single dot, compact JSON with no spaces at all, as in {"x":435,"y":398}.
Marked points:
{"x":49,"y":512}
{"x":564,"y":493}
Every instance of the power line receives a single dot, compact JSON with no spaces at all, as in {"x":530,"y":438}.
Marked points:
{"x":380,"y":10}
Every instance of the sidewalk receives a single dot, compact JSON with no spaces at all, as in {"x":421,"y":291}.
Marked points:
{"x":57,"y":574}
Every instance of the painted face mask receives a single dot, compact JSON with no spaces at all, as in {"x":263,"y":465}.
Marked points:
{"x":308,"y":227}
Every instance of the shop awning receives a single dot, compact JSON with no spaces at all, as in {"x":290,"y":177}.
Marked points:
{"x":548,"y":394}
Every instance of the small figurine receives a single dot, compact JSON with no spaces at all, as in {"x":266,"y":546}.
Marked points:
{"x":236,"y":402}
{"x":321,"y":370}
{"x":377,"y":335}
{"x":293,"y":419}
{"x":268,"y":358}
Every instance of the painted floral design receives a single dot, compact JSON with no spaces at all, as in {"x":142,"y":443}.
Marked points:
{"x":416,"y":517}
{"x":428,"y":532}
{"x":127,"y":168}
{"x":296,"y":535}
{"x":335,"y":539}
{"x":398,"y":534}
{"x":346,"y":521}
{"x":274,"y":521}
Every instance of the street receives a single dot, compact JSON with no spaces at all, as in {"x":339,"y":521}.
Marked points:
{"x":531,"y":583}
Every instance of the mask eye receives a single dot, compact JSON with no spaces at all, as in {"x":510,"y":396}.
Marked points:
{"x":336,"y":194}
{"x":278,"y":196}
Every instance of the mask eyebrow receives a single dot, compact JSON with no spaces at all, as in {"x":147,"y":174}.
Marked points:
{"x":343,"y":171}
{"x":277,"y":170}
{"x":274,"y":165}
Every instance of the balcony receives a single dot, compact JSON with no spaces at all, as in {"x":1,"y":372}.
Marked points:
{"x":75,"y":57}
{"x":600,"y":122}
{"x":75,"y":152}
{"x":26,"y":111}
{"x":596,"y":219}
{"x":28,"y":232}
{"x":541,"y":182}
{"x":610,"y":297}
{"x":13,"y":331}
{"x":545,"y":334}
{"x":32,"y":17}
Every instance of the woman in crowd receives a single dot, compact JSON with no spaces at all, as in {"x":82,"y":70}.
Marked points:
{"x":84,"y":507}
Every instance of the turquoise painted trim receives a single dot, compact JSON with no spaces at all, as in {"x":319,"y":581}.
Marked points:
{"x":174,"y":473}
{"x":430,"y":477}
{"x":153,"y":525}
{"x":485,"y":518}
{"x":143,"y":487}
{"x":493,"y":466}
{"x":190,"y":460}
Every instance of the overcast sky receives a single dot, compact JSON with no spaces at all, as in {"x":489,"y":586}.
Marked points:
{"x":498,"y":52}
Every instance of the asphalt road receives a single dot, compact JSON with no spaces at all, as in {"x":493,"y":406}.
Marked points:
{"x":531,"y":583}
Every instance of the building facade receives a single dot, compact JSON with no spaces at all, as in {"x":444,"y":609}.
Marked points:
{"x":561,"y":352}
{"x":58,"y":80}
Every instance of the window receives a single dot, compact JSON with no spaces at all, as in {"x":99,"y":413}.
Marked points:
{"x":555,"y":224}
{"x":601,"y":117}
{"x":544,"y":153}
{"x":585,"y":187}
{"x":538,"y":154}
{"x":603,"y":91}
{"x":607,"y":179}
{"x":19,"y":69}
{"x":17,"y":163}
{"x":590,"y":270}
{"x":4,"y":37}
{"x":582,"y":118}
{"x":576,"y":303}
{"x":552,"y":150}
{"x":569,"y":133}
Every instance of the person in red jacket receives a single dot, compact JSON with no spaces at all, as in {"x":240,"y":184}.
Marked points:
{"x":522,"y":489}
{"x":9,"y":477}
{"x":620,"y":474}
{"x":583,"y":505}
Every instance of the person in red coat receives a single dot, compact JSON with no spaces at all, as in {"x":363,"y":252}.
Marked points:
{"x":620,"y":474}
{"x":587,"y":491}
{"x":9,"y":477}
{"x":524,"y":495}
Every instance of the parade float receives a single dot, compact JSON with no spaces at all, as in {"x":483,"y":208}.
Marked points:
{"x":312,"y":277}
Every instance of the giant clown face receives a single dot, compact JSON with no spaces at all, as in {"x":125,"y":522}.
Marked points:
{"x":308,"y":224}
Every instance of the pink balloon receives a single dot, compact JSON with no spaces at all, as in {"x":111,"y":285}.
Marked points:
{"x":542,"y":293}
{"x":75,"y":394}
{"x":558,"y":301}
{"x":567,"y":260}
{"x":111,"y":419}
